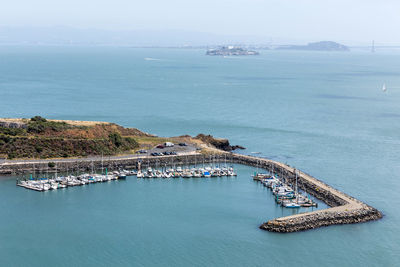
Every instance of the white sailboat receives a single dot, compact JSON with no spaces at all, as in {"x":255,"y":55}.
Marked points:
{"x":384,"y":87}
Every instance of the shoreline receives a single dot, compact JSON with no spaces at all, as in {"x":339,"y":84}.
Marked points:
{"x":344,"y":209}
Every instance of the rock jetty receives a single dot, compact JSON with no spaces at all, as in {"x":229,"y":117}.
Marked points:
{"x":344,"y":208}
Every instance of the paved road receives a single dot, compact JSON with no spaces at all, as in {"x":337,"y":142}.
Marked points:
{"x":180,"y":150}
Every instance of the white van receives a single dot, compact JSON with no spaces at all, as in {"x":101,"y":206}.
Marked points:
{"x":168,"y":144}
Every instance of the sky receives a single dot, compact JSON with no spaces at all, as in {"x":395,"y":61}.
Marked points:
{"x":349,"y":21}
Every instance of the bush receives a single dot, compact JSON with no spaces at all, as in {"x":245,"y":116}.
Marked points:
{"x":39,"y":126}
{"x":36,"y":127}
{"x":38,"y":148}
{"x":51,"y":164}
{"x":5,"y":138}
{"x":38,"y":119}
{"x":12,"y":131}
{"x":132,"y":143}
{"x":116,"y":139}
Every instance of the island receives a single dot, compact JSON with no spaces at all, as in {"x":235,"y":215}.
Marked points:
{"x":231,"y":51}
{"x":317,"y":46}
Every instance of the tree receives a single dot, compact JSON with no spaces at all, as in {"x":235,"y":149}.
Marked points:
{"x":38,"y":119}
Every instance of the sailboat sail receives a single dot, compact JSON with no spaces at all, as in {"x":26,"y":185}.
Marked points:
{"x":384,"y":88}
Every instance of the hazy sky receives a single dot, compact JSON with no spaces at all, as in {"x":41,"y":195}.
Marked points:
{"x":340,"y":20}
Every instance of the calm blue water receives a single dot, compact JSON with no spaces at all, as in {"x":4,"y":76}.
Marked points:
{"x":324,"y":113}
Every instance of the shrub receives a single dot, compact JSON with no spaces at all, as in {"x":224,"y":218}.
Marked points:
{"x":38,"y":119}
{"x":116,"y":139}
{"x":12,"y":131}
{"x":39,"y":126}
{"x":132,"y":143}
{"x":5,"y":138}
{"x":38,"y":148}
{"x":51,"y":164}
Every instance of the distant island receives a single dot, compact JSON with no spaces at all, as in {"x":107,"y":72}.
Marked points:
{"x":317,"y":46}
{"x":231,"y":51}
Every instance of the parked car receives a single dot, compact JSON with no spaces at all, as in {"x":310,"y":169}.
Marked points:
{"x":182,"y":144}
{"x":160,"y":146}
{"x":142,"y":151}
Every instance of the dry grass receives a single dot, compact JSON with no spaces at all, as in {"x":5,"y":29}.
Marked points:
{"x":150,"y":142}
{"x":82,"y":123}
{"x":75,"y":123}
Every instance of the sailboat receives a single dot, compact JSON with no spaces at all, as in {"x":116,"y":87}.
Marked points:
{"x":384,"y":87}
{"x":294,"y":204}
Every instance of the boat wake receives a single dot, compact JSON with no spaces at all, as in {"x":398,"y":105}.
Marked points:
{"x":151,"y":59}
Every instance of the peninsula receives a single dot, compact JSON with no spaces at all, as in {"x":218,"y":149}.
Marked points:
{"x":52,"y":138}
{"x":41,"y":138}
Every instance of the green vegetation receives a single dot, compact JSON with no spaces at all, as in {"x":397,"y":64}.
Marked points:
{"x":38,"y":119}
{"x":38,"y":124}
{"x":116,"y":139}
{"x":42,"y":138}
{"x":12,"y":131}
{"x":51,"y":164}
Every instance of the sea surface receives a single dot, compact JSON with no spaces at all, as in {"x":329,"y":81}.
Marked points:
{"x":322,"y":112}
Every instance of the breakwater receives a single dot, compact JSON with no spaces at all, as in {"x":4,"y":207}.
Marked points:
{"x":344,"y":208}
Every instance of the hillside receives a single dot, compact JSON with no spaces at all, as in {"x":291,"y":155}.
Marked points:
{"x":41,"y":138}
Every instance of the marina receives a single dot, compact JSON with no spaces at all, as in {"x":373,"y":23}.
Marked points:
{"x":185,"y":171}
{"x":287,"y":195}
{"x":45,"y":184}
{"x":291,"y":188}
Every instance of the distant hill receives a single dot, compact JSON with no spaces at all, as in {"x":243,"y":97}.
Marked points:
{"x":317,"y":46}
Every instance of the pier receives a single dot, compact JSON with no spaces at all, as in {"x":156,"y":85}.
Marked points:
{"x":344,"y":209}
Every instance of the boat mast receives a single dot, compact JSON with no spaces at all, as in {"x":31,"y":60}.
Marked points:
{"x":102,"y":167}
{"x":296,"y":190}
{"x":225,"y":161}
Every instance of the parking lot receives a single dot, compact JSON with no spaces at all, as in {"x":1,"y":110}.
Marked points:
{"x":170,"y":150}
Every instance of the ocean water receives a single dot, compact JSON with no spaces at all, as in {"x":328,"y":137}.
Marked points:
{"x":324,"y":113}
